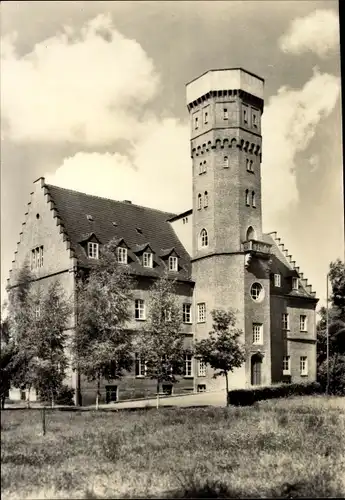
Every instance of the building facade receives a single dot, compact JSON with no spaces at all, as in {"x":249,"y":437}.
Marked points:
{"x":217,"y":251}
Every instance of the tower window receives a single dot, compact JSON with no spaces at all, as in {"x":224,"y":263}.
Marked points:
{"x":92,"y":250}
{"x":255,"y":125}
{"x":257,"y":333}
{"x":206,"y":117}
{"x":226,"y":162}
{"x":37,"y":257}
{"x":204,"y":167}
{"x":225,"y":114}
{"x":122,"y":255}
{"x":303,"y":323}
{"x":253,"y":200}
{"x":249,"y":165}
{"x":247,"y":198}
{"x":199,"y":201}
{"x":196,"y":123}
{"x":245,"y":116}
{"x":205,"y":199}
{"x":203,"y":238}
{"x":201,"y":312}
{"x":257,"y":292}
{"x":200,"y":168}
{"x":285,"y":321}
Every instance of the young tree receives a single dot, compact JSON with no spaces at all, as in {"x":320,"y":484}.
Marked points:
{"x":160,"y":343}
{"x":336,"y":334}
{"x":8,"y":352}
{"x":222,"y":350}
{"x":102,"y":345}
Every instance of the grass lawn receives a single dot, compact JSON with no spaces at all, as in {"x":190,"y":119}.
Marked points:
{"x":283,"y":448}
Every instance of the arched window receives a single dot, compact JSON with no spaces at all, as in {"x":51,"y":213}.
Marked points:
{"x":204,"y":167}
{"x":253,"y":199}
{"x":205,"y":199}
{"x":200,"y":168}
{"x":199,"y":201}
{"x":226,"y":162}
{"x":247,"y":198}
{"x":203,"y":238}
{"x":250,"y":234}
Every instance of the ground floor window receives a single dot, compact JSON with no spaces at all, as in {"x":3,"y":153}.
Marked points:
{"x":167,"y":389}
{"x":110,"y":393}
{"x":201,"y":388}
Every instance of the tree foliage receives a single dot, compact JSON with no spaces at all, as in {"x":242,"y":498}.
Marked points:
{"x":222,"y":350}
{"x":336,"y":333}
{"x":102,"y":343}
{"x":160,"y":342}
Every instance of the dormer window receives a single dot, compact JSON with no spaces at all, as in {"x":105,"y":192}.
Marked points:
{"x":173,"y":263}
{"x":294,"y":283}
{"x":122,"y":255}
{"x":147,"y":259}
{"x":92,"y":250}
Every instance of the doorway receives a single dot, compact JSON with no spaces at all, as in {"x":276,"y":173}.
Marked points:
{"x":256,"y":364}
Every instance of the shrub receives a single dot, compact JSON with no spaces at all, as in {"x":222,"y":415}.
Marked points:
{"x":247,"y":397}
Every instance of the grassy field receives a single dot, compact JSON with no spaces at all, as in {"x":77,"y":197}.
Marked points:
{"x":282,"y":448}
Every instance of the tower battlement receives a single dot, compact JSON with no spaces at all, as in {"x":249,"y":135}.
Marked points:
{"x":217,"y":80}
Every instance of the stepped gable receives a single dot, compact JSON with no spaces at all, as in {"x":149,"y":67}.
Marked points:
{"x":283,"y":263}
{"x":83,"y":214}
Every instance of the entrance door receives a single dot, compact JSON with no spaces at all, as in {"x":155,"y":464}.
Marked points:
{"x":256,"y":364}
{"x":110,"y":393}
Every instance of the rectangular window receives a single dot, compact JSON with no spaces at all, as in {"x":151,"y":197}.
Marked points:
{"x":257,"y":333}
{"x":147,"y":259}
{"x":92,"y":250}
{"x":201,"y":312}
{"x":277,"y":280}
{"x":303,"y":365}
{"x":255,"y":125}
{"x":295,"y":283}
{"x":201,"y":388}
{"x":122,"y":255}
{"x":187,"y":313}
{"x":33,"y":259}
{"x":41,"y":256}
{"x":245,"y":116}
{"x":205,"y":117}
{"x":37,"y":257}
{"x":286,"y":365}
{"x":285,"y":321}
{"x":303,"y":323}
{"x":173,"y":263}
{"x":196,"y":123}
{"x":188,"y":365}
{"x":140,"y":366}
{"x":139,"y":309}
{"x":226,"y":162}
{"x":37,"y":311}
{"x":201,"y":369}
{"x":225,"y":114}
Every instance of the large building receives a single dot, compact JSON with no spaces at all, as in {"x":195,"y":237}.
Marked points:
{"x":216,"y":251}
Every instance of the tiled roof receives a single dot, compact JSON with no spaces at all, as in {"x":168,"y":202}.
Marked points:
{"x":112,"y":219}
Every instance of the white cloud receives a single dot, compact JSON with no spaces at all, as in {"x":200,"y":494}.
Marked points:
{"x":318,"y":32}
{"x":289,"y":124}
{"x":87,"y":87}
{"x":156,"y":172}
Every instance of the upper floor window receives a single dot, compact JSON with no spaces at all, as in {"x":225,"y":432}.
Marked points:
{"x":225,"y":114}
{"x":257,"y":333}
{"x":147,"y":259}
{"x":254,"y":119}
{"x":37,"y":257}
{"x":173,"y":264}
{"x":196,"y":123}
{"x":201,"y":368}
{"x":247,"y":198}
{"x":188,"y":365}
{"x":251,"y":235}
{"x":203,"y":238}
{"x":285,"y":321}
{"x":200,"y":168}
{"x":295,"y":283}
{"x":303,"y":323}
{"x":303,"y":365}
{"x":205,"y":117}
{"x":122,"y":255}
{"x":226,"y":162}
{"x":201,"y":312}
{"x":286,"y":365}
{"x":245,"y":116}
{"x":249,"y":165}
{"x":199,"y":201}
{"x":277,"y":280}
{"x":187,"y":313}
{"x":257,"y":292}
{"x":140,"y":309}
{"x":92,"y":250}
{"x":204,"y":167}
{"x":253,"y":200}
{"x":205,"y":199}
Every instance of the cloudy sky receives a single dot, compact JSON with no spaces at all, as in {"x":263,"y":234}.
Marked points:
{"x":93,"y":98}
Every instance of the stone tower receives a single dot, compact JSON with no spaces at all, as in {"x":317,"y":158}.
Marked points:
{"x":229,"y":258}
